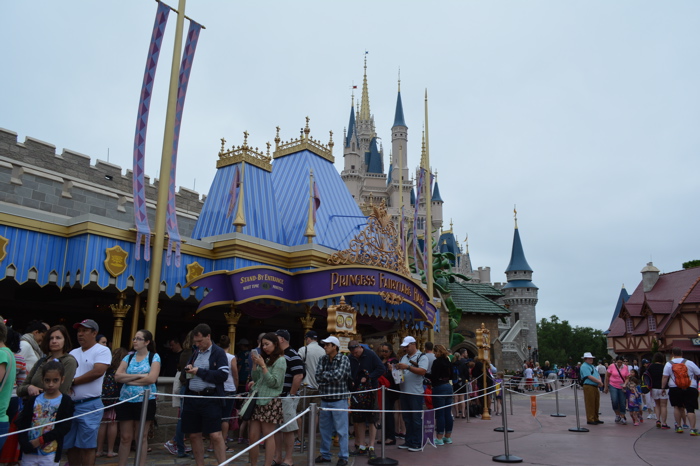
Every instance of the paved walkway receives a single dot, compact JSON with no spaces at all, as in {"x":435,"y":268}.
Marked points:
{"x":539,"y":440}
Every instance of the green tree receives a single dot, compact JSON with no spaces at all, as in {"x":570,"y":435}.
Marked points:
{"x":559,"y":341}
{"x":691,"y":264}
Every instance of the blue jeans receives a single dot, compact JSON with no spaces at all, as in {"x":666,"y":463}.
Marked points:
{"x":443,"y":416}
{"x":179,"y":436}
{"x":413,"y":421}
{"x":617,"y":396}
{"x":334,"y":421}
{"x":4,"y":428}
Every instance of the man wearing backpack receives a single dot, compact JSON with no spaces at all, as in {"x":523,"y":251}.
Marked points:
{"x":681,"y":376}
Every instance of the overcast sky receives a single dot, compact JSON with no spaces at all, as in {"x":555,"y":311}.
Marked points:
{"x":584,"y":114}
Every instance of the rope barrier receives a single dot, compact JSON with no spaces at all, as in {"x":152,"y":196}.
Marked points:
{"x":68,"y":419}
{"x":541,"y":394}
{"x":256,"y":442}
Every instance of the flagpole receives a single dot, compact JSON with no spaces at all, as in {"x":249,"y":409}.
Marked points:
{"x":164,"y":179}
{"x":428,"y":216}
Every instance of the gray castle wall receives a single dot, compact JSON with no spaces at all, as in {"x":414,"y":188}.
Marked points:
{"x":33,"y":175}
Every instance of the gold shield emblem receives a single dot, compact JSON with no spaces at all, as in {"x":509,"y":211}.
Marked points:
{"x":194,"y":270}
{"x":3,"y":247}
{"x":115,"y":263}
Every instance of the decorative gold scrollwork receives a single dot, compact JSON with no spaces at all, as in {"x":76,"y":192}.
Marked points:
{"x":376,"y":245}
{"x":391,"y":298}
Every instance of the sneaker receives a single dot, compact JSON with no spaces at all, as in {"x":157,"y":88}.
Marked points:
{"x":415,"y":449}
{"x":230,"y":450}
{"x":665,"y":427}
{"x":679,"y":430}
{"x":182,"y":455}
{"x":372,"y":455}
{"x":404,"y":446}
{"x":321,"y":459}
{"x":618,"y":419}
{"x":171,"y":447}
{"x":694,"y":432}
{"x":447,"y":440}
{"x":438,"y":441}
{"x":342,"y":462}
{"x":685,"y":426}
{"x":636,"y":423}
{"x":658,"y":424}
{"x":623,"y":421}
{"x":358,"y":451}
{"x":188,"y":449}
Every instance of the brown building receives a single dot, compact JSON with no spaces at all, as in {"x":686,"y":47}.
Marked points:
{"x":664,"y":310}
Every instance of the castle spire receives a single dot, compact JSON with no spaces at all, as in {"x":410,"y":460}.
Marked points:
{"x":351,"y":125}
{"x":398,"y":116}
{"x":365,"y":114}
{"x":517,"y":256}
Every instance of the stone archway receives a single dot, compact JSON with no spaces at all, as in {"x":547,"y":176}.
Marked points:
{"x":470,"y":346}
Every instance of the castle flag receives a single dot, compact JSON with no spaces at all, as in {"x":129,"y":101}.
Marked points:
{"x":143,"y":230}
{"x":234,"y":191}
{"x":184,"y":78}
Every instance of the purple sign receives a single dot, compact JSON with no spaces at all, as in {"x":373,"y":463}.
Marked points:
{"x":251,"y":283}
{"x":428,"y":427}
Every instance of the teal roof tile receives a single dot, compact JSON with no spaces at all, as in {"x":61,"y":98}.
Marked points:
{"x":467,"y":297}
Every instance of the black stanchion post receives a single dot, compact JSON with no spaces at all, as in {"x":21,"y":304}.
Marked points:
{"x":578,"y":427}
{"x":142,"y":426}
{"x":305,"y":403}
{"x":556,"y":397}
{"x":383,"y":460}
{"x":507,"y":458}
{"x":313,"y":413}
{"x":510,"y":392}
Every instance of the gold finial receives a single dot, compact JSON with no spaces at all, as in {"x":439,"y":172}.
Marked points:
{"x":223,"y":141}
{"x":277,"y":137}
{"x":245,"y":139}
{"x":399,"y":79}
{"x":330,"y":142}
{"x":306,"y":128}
{"x":422,"y":151}
{"x":515,"y":216}
{"x":268,"y":148}
{"x":450,"y":224}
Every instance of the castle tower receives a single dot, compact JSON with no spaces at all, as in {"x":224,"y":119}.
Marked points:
{"x":353,"y":167}
{"x":521,"y":295}
{"x":437,"y":203}
{"x":399,"y":144}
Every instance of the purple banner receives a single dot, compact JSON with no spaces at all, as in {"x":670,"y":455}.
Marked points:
{"x":428,"y":428}
{"x":184,"y":79}
{"x":419,"y":191}
{"x":428,"y":241}
{"x":311,"y":285}
{"x":143,"y":230}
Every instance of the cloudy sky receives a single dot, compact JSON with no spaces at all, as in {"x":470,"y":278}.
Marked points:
{"x":584,"y":114}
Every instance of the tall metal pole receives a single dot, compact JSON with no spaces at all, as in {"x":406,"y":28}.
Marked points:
{"x":142,"y":426}
{"x":383,"y":460}
{"x":164,"y":179}
{"x":313,"y":413}
{"x":507,"y":458}
{"x":578,"y":427}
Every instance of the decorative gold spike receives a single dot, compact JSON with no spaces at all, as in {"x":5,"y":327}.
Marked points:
{"x":223,"y":141}
{"x":330,"y":142}
{"x":245,"y":139}
{"x":277,"y":138}
{"x":268,"y":148}
{"x":307,"y":130}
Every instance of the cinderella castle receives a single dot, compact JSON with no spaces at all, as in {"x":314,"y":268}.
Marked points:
{"x":369,"y":183}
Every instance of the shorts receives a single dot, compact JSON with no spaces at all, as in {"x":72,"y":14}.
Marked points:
{"x":228,"y":406}
{"x":30,"y":459}
{"x":687,"y":398}
{"x":633,"y":409}
{"x":289,"y":411}
{"x":201,"y":415}
{"x":656,"y":394}
{"x":83,"y":430}
{"x":132,"y":411}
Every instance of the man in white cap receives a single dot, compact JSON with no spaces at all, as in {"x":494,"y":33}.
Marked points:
{"x":332,"y":376}
{"x":414,"y":366}
{"x":591,"y":393}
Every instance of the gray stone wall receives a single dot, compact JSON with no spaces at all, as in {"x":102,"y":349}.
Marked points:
{"x":34,"y":176}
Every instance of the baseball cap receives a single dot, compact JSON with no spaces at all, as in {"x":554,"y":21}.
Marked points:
{"x":311,"y":334}
{"x":333,"y":340}
{"x":284,"y":334}
{"x":407,"y":341}
{"x":88,"y":323}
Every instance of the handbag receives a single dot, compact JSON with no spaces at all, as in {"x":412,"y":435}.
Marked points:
{"x":248,"y":407}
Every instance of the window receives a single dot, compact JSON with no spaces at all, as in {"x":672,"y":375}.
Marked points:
{"x":652,"y":323}
{"x":630,"y":326}
{"x":352,"y":167}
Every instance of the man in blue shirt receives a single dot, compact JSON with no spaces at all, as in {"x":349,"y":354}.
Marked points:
{"x":591,"y":394}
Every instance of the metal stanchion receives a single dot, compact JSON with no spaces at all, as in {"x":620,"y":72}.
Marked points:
{"x":313,"y":413}
{"x":503,"y":423}
{"x":383,"y":460}
{"x":142,"y":426}
{"x":304,"y":404}
{"x":507,"y":458}
{"x":578,"y":427}
{"x":556,"y":397}
{"x":511,"y":400}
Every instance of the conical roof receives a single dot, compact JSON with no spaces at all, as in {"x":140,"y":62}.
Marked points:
{"x":517,"y":256}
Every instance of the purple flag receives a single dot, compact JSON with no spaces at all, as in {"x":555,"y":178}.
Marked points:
{"x":428,"y":242}
{"x":234,"y":191}
{"x":143,"y":230}
{"x":419,"y":191}
{"x":184,"y":78}
{"x":317,"y":200}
